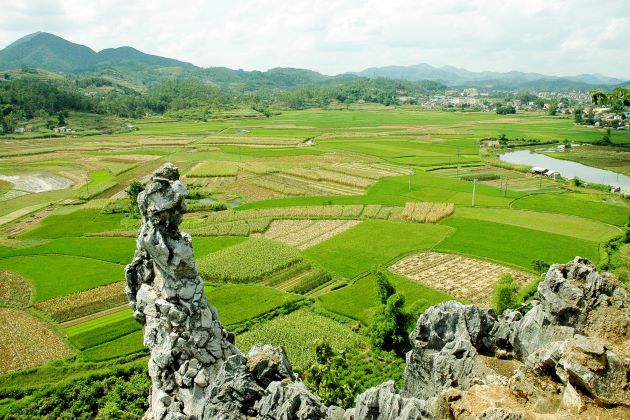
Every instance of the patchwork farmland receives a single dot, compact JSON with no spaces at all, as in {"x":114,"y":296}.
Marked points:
{"x":290,"y":216}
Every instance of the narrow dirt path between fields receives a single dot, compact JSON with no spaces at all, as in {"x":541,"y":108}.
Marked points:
{"x":90,"y":317}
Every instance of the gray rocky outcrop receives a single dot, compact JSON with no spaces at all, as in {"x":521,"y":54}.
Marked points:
{"x":386,"y":402}
{"x":572,"y":346}
{"x":573,"y":299}
{"x":445,"y":348}
{"x":195,"y":369}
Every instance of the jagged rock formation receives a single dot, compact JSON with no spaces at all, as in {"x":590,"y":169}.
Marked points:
{"x":568,"y":362}
{"x":195,"y":369}
{"x":567,"y":356}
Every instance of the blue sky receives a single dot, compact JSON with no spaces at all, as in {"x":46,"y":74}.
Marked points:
{"x":559,"y":37}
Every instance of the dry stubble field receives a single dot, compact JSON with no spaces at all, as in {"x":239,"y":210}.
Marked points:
{"x":465,"y":278}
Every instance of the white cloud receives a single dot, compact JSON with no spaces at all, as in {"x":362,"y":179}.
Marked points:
{"x":555,"y":37}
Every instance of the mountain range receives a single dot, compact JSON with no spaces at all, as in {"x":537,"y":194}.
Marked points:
{"x":53,"y":53}
{"x":453,"y":76}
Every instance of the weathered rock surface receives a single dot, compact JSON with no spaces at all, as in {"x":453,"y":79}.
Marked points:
{"x":571,"y":347}
{"x":446,"y":341}
{"x":385,"y":402}
{"x":195,"y":369}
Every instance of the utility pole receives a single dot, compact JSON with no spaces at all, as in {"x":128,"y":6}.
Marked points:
{"x":410,"y":174}
{"x":458,"y":163}
{"x":473,"y":194}
{"x":506,"y":182}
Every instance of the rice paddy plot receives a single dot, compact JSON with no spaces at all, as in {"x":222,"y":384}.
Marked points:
{"x":58,"y":275}
{"x":360,"y":300}
{"x":513,"y":245}
{"x":503,"y":178}
{"x":373,"y":243}
{"x":121,"y":346}
{"x":304,"y":234}
{"x":82,"y":222}
{"x":102,"y":329}
{"x":213,"y":169}
{"x":332,"y":176}
{"x":32,"y":341}
{"x":466,"y":278}
{"x":237,"y":303}
{"x":248,"y":261}
{"x":369,"y":170}
{"x":232,"y":228}
{"x":598,"y":207}
{"x":252,"y":141}
{"x":563,"y":224}
{"x":81,"y":304}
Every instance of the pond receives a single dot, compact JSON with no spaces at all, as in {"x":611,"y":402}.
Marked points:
{"x":232,"y":204}
{"x":567,"y":168}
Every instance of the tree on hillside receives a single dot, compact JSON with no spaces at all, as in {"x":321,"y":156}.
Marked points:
{"x":61,"y":119}
{"x":135,"y":188}
{"x":389,"y":329}
{"x":384,"y":288}
{"x":504,"y":294}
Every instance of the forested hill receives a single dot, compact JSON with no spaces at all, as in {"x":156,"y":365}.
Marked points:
{"x":50,"y":52}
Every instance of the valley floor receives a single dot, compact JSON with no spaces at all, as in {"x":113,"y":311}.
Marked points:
{"x":290,"y":216}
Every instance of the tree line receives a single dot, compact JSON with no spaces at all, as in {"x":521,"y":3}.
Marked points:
{"x":23,"y":100}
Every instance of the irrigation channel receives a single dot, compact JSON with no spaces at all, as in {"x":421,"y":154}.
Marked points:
{"x":568,"y":169}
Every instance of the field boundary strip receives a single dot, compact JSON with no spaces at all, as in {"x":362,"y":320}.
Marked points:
{"x":80,"y":320}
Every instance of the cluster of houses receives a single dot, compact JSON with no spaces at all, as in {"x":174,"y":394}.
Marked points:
{"x":63,"y":130}
{"x":29,"y":129}
{"x":537,"y":170}
{"x":604,"y":118}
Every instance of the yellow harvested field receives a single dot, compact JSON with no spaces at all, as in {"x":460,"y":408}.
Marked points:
{"x":304,"y":234}
{"x":427,"y":212}
{"x":330,"y":176}
{"x":27,"y":341}
{"x":14,"y":290}
{"x":466,"y":278}
{"x":65,"y":308}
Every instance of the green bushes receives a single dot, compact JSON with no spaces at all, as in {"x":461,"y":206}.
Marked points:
{"x":339,"y":376}
{"x":389,"y":330}
{"x":297,"y":332}
{"x":480,"y":177}
{"x":119,"y":392}
{"x":540,"y":266}
{"x":384,"y":288}
{"x":504,"y":295}
{"x":527,"y":292}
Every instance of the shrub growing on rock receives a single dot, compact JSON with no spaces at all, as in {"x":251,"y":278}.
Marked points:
{"x":388,"y":331}
{"x":504,"y":295}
